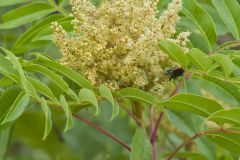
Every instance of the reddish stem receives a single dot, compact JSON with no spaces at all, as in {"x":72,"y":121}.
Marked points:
{"x":138,"y":122}
{"x":197,"y":135}
{"x":154,"y":154}
{"x":174,"y":92}
{"x":154,"y":133}
{"x":103,"y":131}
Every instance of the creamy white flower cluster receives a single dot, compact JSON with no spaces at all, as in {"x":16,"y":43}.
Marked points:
{"x":116,"y":44}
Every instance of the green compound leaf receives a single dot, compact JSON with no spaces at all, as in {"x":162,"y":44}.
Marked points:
{"x":18,"y":66}
{"x":106,"y":93}
{"x":69,"y":73}
{"x":234,"y":7}
{"x":17,"y":109}
{"x":200,"y":59}
{"x":202,"y":20}
{"x":27,"y":37}
{"x":68,"y":113}
{"x":5,"y":137}
{"x":191,"y":156}
{"x":229,"y":141}
{"x":231,"y":116}
{"x":42,"y":88}
{"x":63,"y":2}
{"x":139,"y":95}
{"x":5,"y":82}
{"x":226,"y":16}
{"x":86,"y":95}
{"x":225,"y":62}
{"x":25,"y":14}
{"x":193,"y":104}
{"x":48,"y":119}
{"x":53,"y":76}
{"x":141,"y":146}
{"x":6,"y":69}
{"x":6,"y":100}
{"x":225,"y":91}
{"x":175,"y":52}
{"x":12,"y":2}
{"x":46,"y":34}
{"x":189,"y":124}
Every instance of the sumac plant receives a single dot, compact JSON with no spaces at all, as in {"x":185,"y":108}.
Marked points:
{"x":119,"y":79}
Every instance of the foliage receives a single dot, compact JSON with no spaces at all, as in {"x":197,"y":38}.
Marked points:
{"x":41,"y":99}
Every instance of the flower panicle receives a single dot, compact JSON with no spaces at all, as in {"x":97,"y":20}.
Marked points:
{"x":116,"y":43}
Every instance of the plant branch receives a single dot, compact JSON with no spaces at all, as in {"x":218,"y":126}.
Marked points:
{"x":174,"y":92}
{"x":197,"y":135}
{"x":154,"y":154}
{"x":139,"y":123}
{"x":154,"y":133}
{"x":103,"y":131}
{"x":187,"y":76}
{"x":227,"y":45}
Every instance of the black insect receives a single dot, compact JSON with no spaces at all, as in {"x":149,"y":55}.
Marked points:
{"x":175,"y":73}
